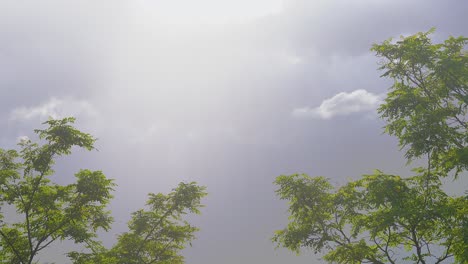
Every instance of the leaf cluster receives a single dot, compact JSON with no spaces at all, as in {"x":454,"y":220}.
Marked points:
{"x":157,"y":234}
{"x":426,"y":107}
{"x":49,"y":212}
{"x":379,"y":217}
{"x":373,"y":219}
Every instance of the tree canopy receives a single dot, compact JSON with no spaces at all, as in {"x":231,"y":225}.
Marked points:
{"x":384,"y":218}
{"x":427,"y":105}
{"x":48,"y":212}
{"x":155,"y":235}
{"x":372,"y":219}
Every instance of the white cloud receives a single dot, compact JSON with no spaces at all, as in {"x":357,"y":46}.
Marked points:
{"x":342,"y":104}
{"x":54,"y":108}
{"x":22,"y":139}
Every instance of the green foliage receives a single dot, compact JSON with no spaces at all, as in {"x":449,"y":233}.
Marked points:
{"x":384,"y":218}
{"x":374,"y":218}
{"x":427,"y":105}
{"x":75,"y":212}
{"x":50,"y":211}
{"x":155,"y":235}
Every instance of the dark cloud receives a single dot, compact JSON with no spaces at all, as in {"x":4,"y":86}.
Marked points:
{"x":351,"y":27}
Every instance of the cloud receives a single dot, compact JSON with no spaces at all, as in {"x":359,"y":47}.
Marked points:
{"x":210,"y":103}
{"x":22,"y":139}
{"x":328,"y":26}
{"x":342,"y":104}
{"x":54,"y":108}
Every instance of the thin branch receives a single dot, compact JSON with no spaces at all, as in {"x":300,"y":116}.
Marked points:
{"x":18,"y":255}
{"x":162,"y":250}
{"x":447,"y":253}
{"x":153,"y":229}
{"x":418,"y":247}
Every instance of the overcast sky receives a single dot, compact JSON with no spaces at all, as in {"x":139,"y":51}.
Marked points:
{"x":229,"y":94}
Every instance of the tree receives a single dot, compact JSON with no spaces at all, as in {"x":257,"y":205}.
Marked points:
{"x":427,"y":105}
{"x":50,"y":212}
{"x":156,"y":235}
{"x":375,"y":219}
{"x":372,"y":219}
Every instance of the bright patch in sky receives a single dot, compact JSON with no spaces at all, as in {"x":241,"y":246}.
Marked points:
{"x":209,"y":11}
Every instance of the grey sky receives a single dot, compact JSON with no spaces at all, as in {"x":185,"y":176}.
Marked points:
{"x":210,"y":91}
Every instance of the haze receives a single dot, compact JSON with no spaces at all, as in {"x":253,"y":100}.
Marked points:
{"x":229,"y":94}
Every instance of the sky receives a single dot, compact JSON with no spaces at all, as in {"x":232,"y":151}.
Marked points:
{"x":230,"y":94}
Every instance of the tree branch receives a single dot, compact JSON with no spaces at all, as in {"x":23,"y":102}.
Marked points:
{"x":15,"y":251}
